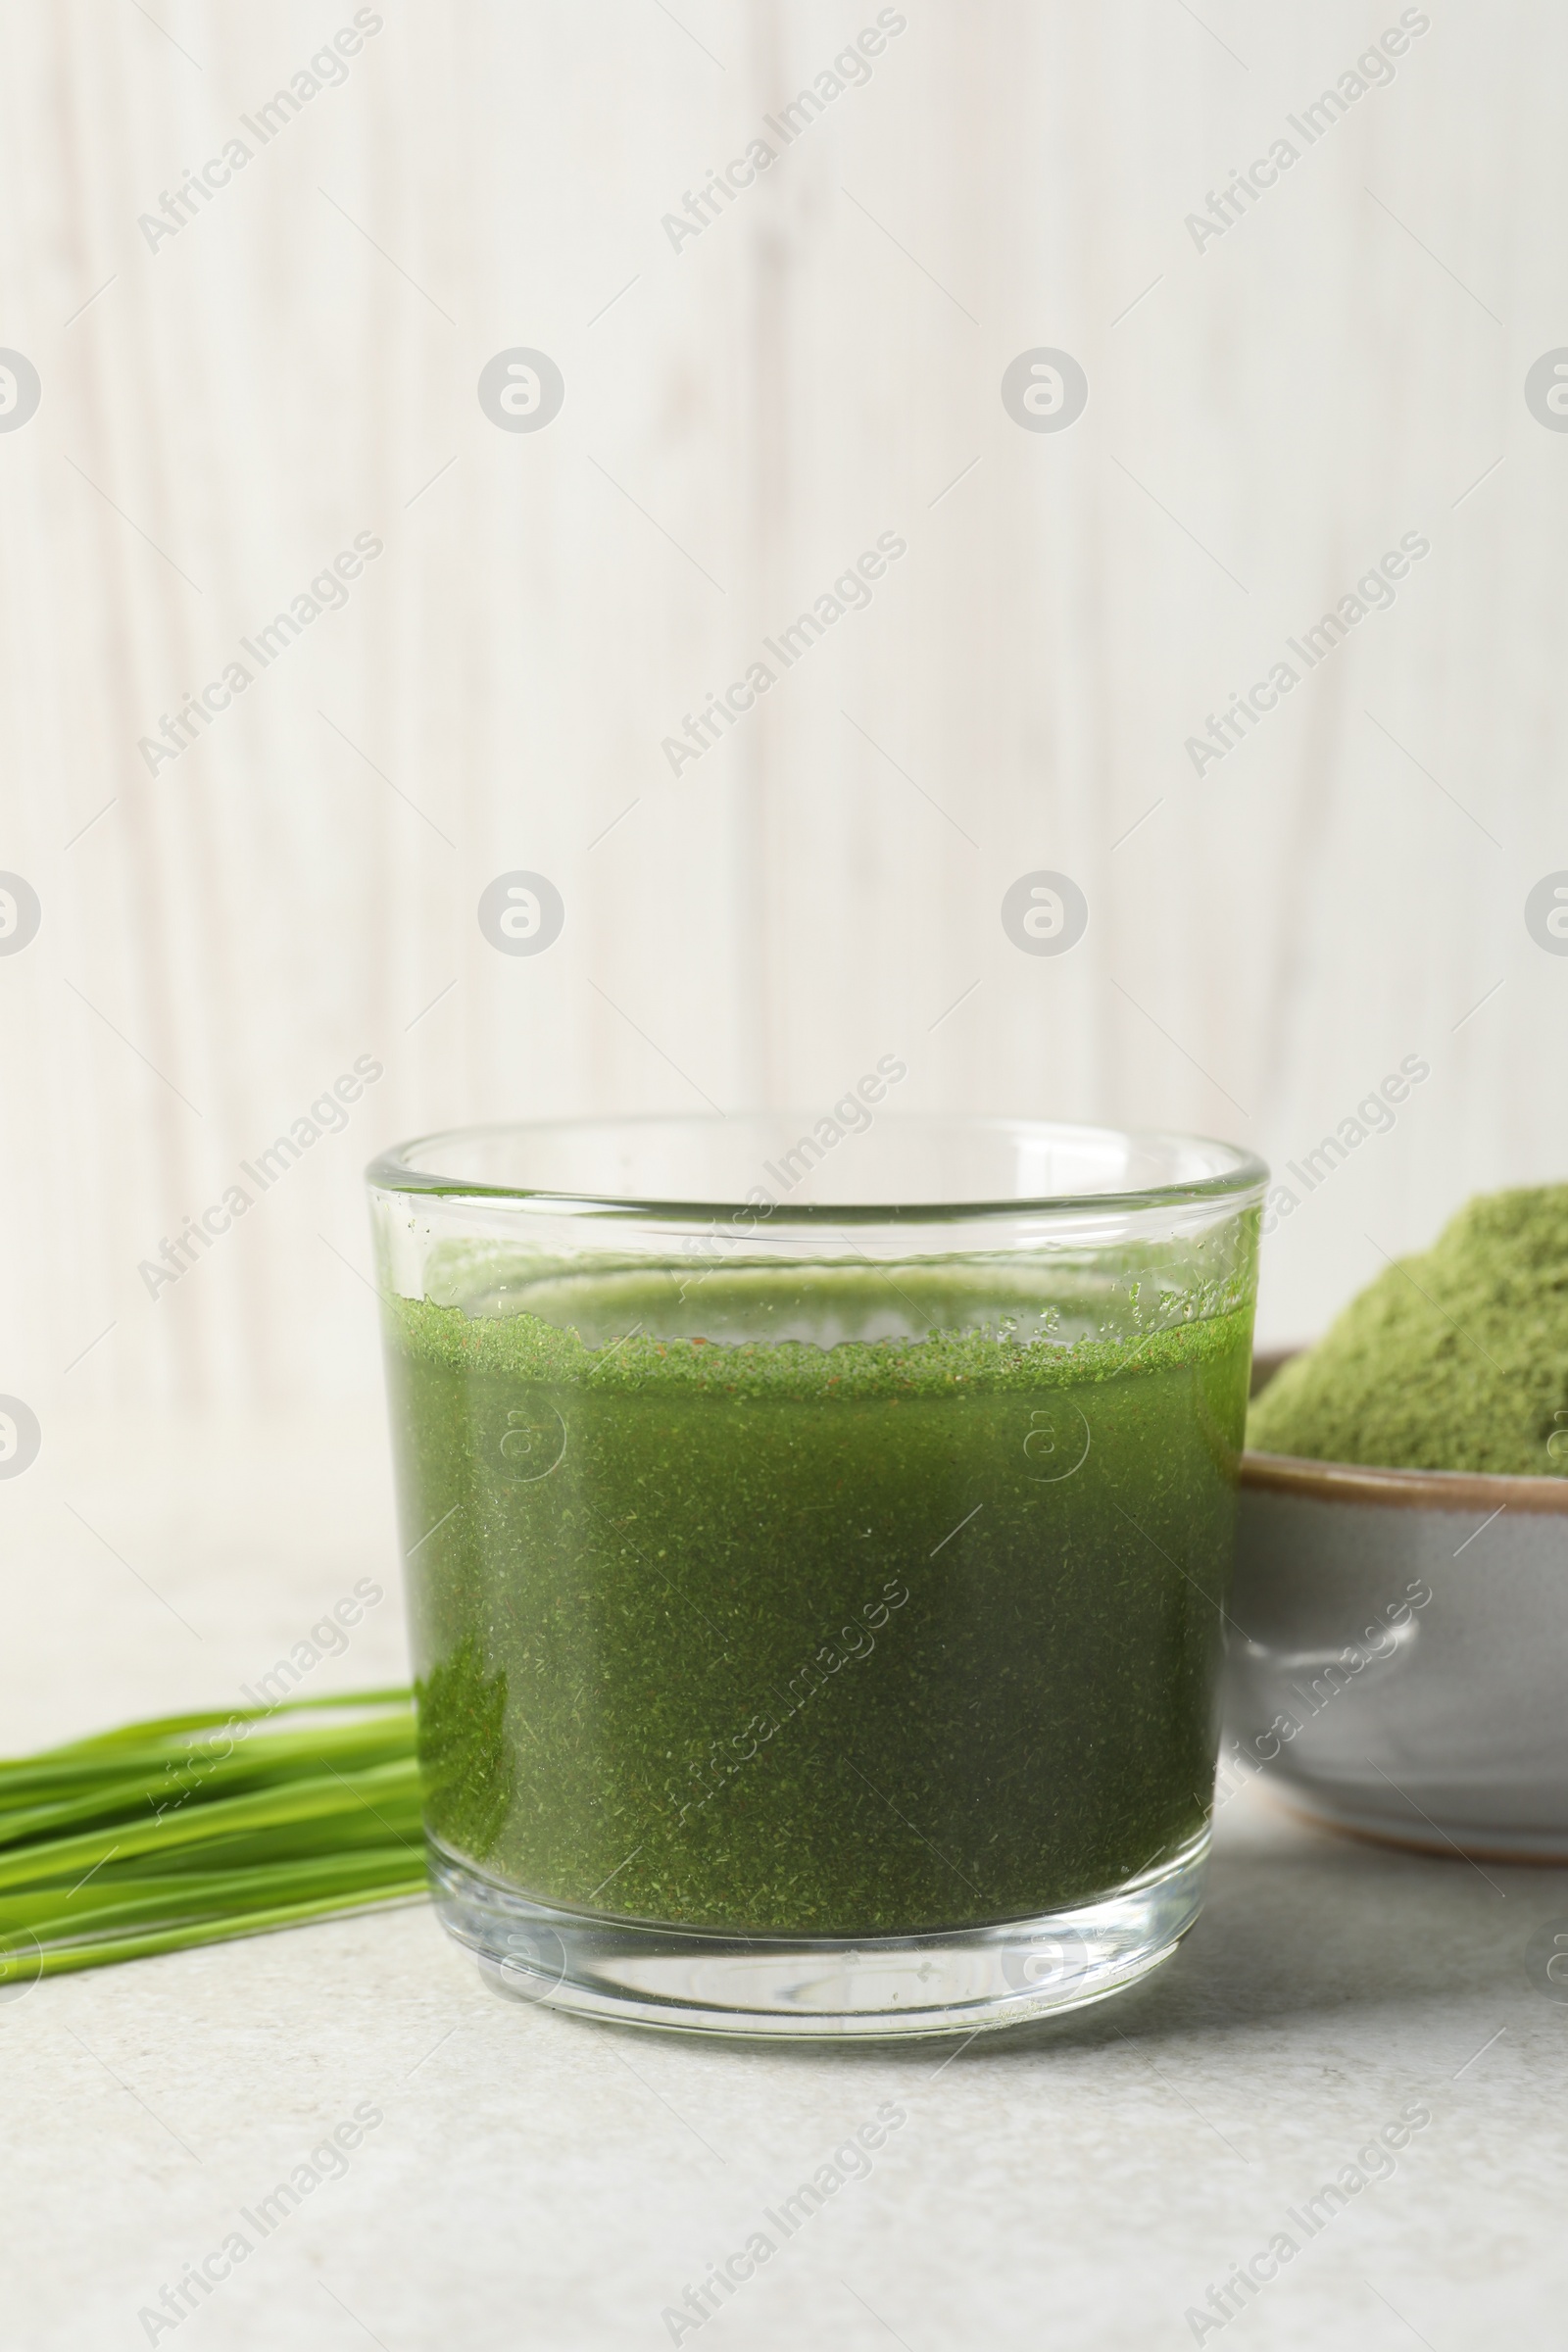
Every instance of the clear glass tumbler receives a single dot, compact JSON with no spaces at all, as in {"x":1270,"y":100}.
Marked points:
{"x":816,"y":1537}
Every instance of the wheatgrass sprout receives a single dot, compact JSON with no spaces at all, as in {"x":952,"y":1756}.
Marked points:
{"x":196,"y":1828}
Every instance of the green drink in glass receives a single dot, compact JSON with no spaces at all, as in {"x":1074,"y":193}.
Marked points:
{"x":817,"y":1603}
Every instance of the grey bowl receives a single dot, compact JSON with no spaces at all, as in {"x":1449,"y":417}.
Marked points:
{"x":1397,"y":1652}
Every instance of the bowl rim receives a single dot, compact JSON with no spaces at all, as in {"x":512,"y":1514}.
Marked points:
{"x":1465,"y":1491}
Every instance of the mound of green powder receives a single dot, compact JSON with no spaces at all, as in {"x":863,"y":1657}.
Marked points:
{"x":1456,"y":1359}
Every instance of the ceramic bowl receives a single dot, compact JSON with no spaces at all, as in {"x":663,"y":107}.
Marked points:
{"x":1397,"y":1652}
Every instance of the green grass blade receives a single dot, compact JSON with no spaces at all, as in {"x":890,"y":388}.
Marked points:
{"x":195,"y":1828}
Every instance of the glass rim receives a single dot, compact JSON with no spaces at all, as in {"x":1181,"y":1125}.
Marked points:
{"x":1241,"y":1182}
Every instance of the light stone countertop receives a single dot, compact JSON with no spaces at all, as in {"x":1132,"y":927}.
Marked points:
{"x":538,"y":2182}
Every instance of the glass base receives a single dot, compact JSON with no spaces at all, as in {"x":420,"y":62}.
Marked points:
{"x":696,"y":1980}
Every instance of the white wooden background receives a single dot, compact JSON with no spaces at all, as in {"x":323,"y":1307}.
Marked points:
{"x":298,"y":364}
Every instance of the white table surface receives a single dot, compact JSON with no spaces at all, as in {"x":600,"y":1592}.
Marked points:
{"x":538,"y":2182}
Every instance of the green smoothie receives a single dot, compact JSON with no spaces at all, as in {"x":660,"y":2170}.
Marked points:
{"x":904,"y":1617}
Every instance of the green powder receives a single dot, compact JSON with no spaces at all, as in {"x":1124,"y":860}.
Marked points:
{"x":865,"y":1632}
{"x":1453,"y":1360}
